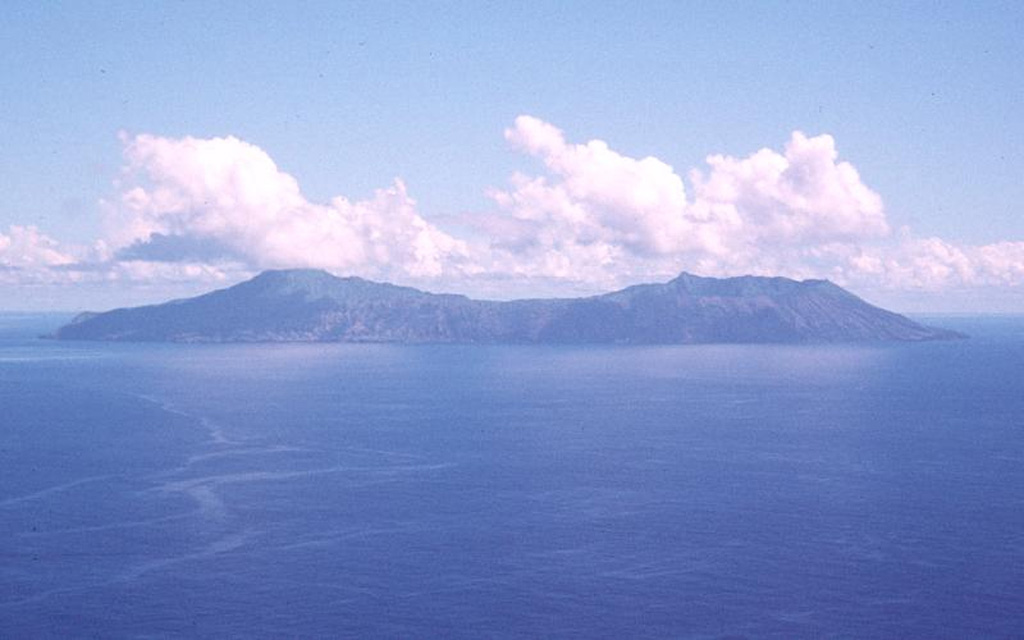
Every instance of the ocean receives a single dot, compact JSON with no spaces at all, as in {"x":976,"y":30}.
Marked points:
{"x":251,"y":491}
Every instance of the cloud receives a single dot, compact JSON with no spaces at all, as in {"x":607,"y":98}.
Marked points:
{"x":933,"y":264}
{"x":25,"y":247}
{"x":597,"y":209}
{"x":596,"y":196}
{"x":590,"y":218}
{"x":225,"y":198}
{"x":802,"y":212}
{"x":176,"y":248}
{"x":803,"y":195}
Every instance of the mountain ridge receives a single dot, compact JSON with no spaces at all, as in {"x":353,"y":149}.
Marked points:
{"x":311,"y":305}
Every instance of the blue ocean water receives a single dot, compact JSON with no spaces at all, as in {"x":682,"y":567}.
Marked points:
{"x":454,"y":491}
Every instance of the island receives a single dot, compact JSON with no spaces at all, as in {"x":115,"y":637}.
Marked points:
{"x":308,"y":305}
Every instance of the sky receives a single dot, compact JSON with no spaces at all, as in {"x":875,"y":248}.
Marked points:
{"x":160,"y":150}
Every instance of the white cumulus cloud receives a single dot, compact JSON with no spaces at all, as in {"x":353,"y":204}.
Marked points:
{"x":590,"y":218}
{"x":931,"y":264}
{"x":27,"y":247}
{"x":595,"y":195}
{"x":596,"y":212}
{"x":803,"y":195}
{"x":195,"y":197}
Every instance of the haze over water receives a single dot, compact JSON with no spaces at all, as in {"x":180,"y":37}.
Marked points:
{"x":464,"y":491}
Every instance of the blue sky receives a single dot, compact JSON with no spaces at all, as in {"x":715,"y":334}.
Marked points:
{"x":154,"y":150}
